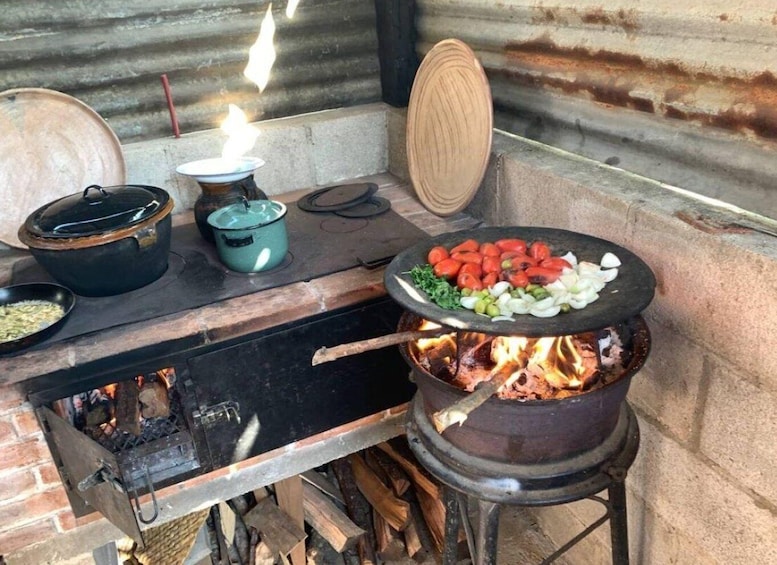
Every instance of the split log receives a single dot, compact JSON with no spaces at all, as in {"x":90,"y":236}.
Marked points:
{"x":419,"y":529}
{"x":327,"y":354}
{"x":323,"y":484}
{"x":457,"y":413}
{"x":154,"y":402}
{"x":418,"y":475}
{"x":275,"y":527}
{"x":395,"y":511}
{"x":328,"y":520}
{"x":390,"y":547}
{"x":434,"y":515}
{"x":288,"y":493}
{"x":391,"y":470}
{"x":412,"y":540}
{"x":358,"y":509}
{"x":128,"y":407}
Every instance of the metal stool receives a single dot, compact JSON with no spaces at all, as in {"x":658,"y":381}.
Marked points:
{"x":494,"y":483}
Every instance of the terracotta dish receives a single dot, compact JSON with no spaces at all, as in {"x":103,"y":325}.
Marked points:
{"x":52,"y":145}
{"x":449,"y":128}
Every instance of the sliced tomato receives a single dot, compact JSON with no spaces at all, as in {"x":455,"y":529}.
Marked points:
{"x":467,"y":257}
{"x":491,"y":264}
{"x":490,"y":280}
{"x":539,"y":250}
{"x":489,"y":249}
{"x":447,"y":268}
{"x":518,"y":245}
{"x":468,"y":280}
{"x":542,"y":275}
{"x":555,"y":263}
{"x":437,"y":254}
{"x":468,"y":245}
{"x":519,"y":279}
{"x":472,"y":269}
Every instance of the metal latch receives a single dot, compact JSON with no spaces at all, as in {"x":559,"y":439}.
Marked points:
{"x":227,"y":411}
{"x":102,"y":475}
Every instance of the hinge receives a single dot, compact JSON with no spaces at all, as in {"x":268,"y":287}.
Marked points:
{"x":102,"y":475}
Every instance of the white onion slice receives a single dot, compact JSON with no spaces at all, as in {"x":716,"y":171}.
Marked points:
{"x":610,"y":261}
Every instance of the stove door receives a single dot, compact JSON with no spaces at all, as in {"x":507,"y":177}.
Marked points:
{"x":263,"y":393}
{"x":91,"y":472}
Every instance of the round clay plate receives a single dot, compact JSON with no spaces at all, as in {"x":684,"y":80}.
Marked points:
{"x":449,"y":128}
{"x":52,"y":145}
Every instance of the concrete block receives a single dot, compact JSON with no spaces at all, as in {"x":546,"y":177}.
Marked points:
{"x":353,"y":146}
{"x":669,"y":388}
{"x":738,"y":430}
{"x":701,"y":503}
{"x":397,"y":142}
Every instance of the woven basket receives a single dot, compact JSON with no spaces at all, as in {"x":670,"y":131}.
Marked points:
{"x":168,"y":544}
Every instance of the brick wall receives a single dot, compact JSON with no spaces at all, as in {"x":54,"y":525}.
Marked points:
{"x":33,"y":503}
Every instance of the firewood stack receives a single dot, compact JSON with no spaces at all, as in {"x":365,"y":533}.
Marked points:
{"x":372,"y":507}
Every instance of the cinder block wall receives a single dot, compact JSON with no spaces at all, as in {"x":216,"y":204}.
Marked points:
{"x":702,"y":489}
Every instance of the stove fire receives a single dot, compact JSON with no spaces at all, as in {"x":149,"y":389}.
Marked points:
{"x":125,"y":414}
{"x":541,"y":368}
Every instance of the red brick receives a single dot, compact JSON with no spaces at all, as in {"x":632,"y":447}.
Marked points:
{"x":24,"y":453}
{"x":26,"y":423}
{"x":16,"y":484}
{"x":66,"y":521}
{"x":32,"y":508}
{"x":15,"y":539}
{"x":49,"y":475}
{"x":10,"y":398}
{"x":7,"y":434}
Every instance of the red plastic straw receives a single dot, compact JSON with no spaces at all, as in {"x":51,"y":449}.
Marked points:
{"x":170,"y":106}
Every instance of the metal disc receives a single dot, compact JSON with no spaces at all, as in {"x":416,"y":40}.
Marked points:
{"x":375,"y":206}
{"x":626,"y":296}
{"x":333,"y":198}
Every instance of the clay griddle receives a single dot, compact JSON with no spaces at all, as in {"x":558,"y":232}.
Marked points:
{"x":626,"y":296}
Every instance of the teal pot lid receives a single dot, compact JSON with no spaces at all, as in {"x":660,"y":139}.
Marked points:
{"x":247,"y":214}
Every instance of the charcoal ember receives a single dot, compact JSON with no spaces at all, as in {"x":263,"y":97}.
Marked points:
{"x":128,"y":407}
{"x":440,"y":359}
{"x":530,"y":385}
{"x":154,"y":402}
{"x":478,"y":354}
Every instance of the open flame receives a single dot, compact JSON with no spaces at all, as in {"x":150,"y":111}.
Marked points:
{"x":561,"y":362}
{"x":241,"y":135}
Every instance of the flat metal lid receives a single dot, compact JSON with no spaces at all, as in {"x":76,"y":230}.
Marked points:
{"x":623,"y":298}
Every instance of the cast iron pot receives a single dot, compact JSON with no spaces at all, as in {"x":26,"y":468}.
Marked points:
{"x":103,"y":241}
{"x":251,"y":235}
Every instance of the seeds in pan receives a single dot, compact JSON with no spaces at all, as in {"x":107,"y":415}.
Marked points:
{"x":26,"y":317}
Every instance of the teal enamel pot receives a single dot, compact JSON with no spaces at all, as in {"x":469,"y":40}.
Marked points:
{"x":250,"y":234}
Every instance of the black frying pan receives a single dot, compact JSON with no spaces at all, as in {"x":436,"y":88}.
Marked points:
{"x":36,"y":291}
{"x":626,"y":296}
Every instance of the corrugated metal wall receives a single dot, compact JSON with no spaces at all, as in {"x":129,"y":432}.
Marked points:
{"x":683,"y":92}
{"x":111,"y":53}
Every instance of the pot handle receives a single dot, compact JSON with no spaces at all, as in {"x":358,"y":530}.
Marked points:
{"x":249,"y":188}
{"x":238,"y":241}
{"x":101,"y":196}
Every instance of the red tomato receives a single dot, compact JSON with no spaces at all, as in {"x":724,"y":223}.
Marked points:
{"x":437,"y":254}
{"x":491,"y":264}
{"x":521,"y":262}
{"x":472,"y":269}
{"x":489,"y":250}
{"x":468,"y":245}
{"x":468,"y":280}
{"x":490,"y":280}
{"x":542,"y":275}
{"x":555,"y":263}
{"x":539,"y":250}
{"x":518,"y":278}
{"x":467,"y":257}
{"x":518,"y":245}
{"x":447,"y":268}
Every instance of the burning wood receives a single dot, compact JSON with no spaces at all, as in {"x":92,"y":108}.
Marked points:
{"x":128,"y":407}
{"x":327,"y":354}
{"x":154,"y":402}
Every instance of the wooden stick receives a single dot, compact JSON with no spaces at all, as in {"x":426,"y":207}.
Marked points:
{"x":327,"y":354}
{"x":358,"y":509}
{"x":417,"y":474}
{"x":288,"y":492}
{"x":457,"y":413}
{"x":170,"y":105}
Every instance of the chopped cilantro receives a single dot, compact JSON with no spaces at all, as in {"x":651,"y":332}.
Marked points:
{"x":439,"y":290}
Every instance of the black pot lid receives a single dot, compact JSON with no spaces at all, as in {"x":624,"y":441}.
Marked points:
{"x":97,"y":210}
{"x":338,"y":197}
{"x":621,"y":299}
